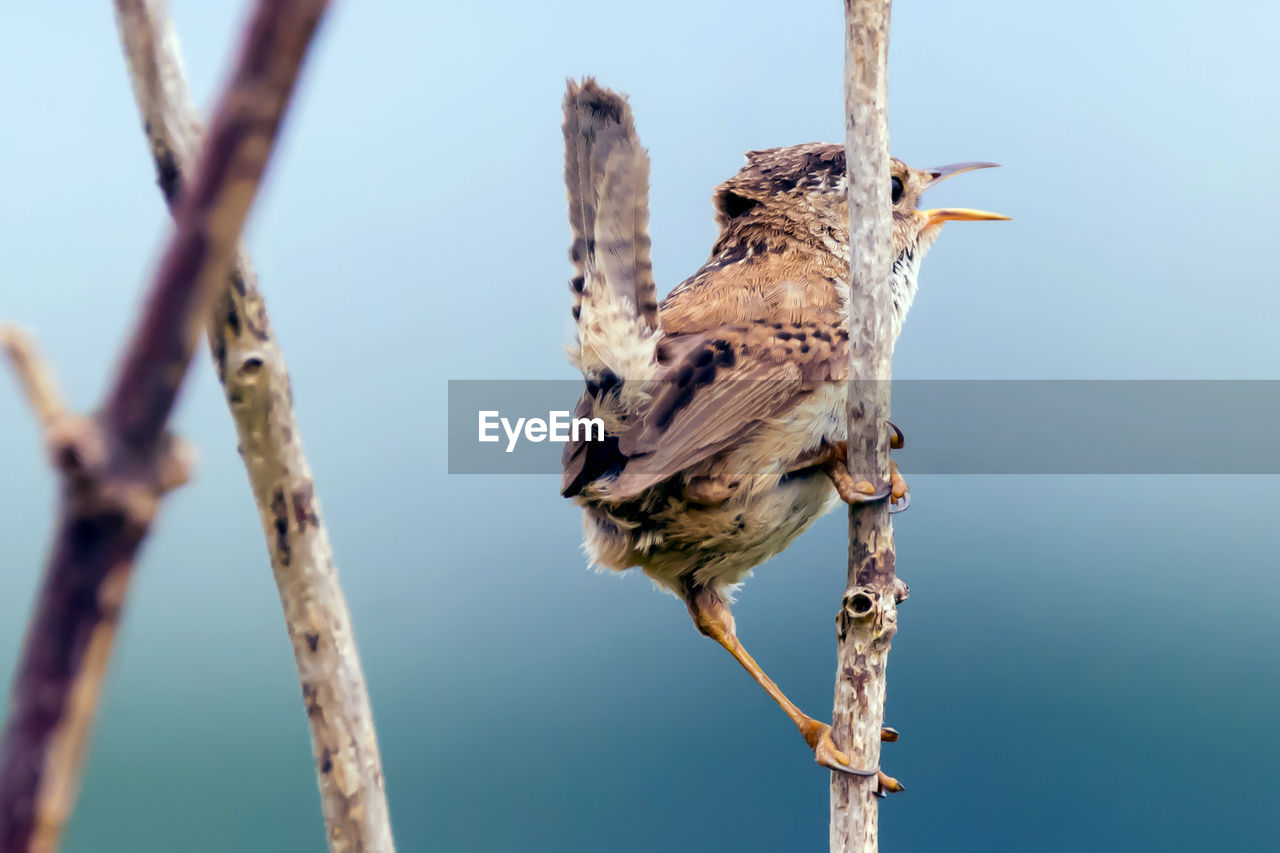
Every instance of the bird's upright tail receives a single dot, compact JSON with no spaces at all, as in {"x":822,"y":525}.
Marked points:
{"x":607,"y":176}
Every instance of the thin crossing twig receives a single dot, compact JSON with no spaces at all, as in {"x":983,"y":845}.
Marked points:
{"x":251,"y":366}
{"x":117,"y":464}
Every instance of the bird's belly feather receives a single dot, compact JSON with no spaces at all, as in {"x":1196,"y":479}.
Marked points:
{"x":770,"y":504}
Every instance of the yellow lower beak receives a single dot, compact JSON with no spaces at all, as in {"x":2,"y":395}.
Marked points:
{"x":938,"y":215}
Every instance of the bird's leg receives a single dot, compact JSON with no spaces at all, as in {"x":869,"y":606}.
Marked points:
{"x":712,"y":617}
{"x":835,"y":463}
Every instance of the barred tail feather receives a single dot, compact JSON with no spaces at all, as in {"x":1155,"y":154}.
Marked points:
{"x":607,"y":178}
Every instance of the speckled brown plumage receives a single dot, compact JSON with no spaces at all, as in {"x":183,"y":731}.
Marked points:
{"x":724,"y":407}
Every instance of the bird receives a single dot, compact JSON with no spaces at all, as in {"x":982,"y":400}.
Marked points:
{"x":724,"y":404}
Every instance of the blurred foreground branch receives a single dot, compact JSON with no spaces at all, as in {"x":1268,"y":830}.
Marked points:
{"x":116,"y":464}
{"x":252,"y":369}
{"x":868,"y":616}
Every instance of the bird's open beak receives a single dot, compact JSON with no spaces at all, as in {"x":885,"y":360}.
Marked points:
{"x":935,"y":215}
{"x":938,"y":215}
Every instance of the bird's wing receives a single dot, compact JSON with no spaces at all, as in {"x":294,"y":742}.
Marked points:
{"x":607,"y":179}
{"x":711,"y":389}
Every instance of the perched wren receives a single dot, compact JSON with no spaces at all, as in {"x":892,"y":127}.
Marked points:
{"x":724,"y":406}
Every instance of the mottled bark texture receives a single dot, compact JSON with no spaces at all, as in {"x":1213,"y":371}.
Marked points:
{"x":868,"y":615}
{"x":116,"y":464}
{"x":252,"y":369}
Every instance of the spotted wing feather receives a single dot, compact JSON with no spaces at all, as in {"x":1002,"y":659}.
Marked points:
{"x":711,"y":390}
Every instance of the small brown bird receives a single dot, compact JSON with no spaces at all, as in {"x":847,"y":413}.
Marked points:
{"x":724,"y":407}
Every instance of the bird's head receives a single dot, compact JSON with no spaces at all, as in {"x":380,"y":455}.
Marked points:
{"x":914,"y":227}
{"x":803,"y":188}
{"x":801,"y":193}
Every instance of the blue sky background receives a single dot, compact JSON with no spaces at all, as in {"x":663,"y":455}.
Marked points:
{"x":1084,"y":662}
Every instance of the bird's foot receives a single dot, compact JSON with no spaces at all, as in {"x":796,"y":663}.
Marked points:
{"x":836,"y":466}
{"x":827,"y":754}
{"x":825,"y":751}
{"x":899,"y":491}
{"x":897,"y":441}
{"x":886,"y":785}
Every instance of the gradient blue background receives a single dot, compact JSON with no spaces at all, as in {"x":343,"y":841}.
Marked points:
{"x":1085,"y":663}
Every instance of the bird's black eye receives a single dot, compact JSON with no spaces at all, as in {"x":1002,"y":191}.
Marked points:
{"x":896,"y":192}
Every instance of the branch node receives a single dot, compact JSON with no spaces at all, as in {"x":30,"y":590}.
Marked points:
{"x":174,"y":463}
{"x":250,"y":367}
{"x":77,"y":447}
{"x":860,"y":606}
{"x":901,"y":591}
{"x":136,"y":500}
{"x":861,"y":603}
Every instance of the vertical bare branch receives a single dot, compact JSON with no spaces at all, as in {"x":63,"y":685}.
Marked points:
{"x":868,"y":618}
{"x":255,"y":378}
{"x":117,"y":464}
